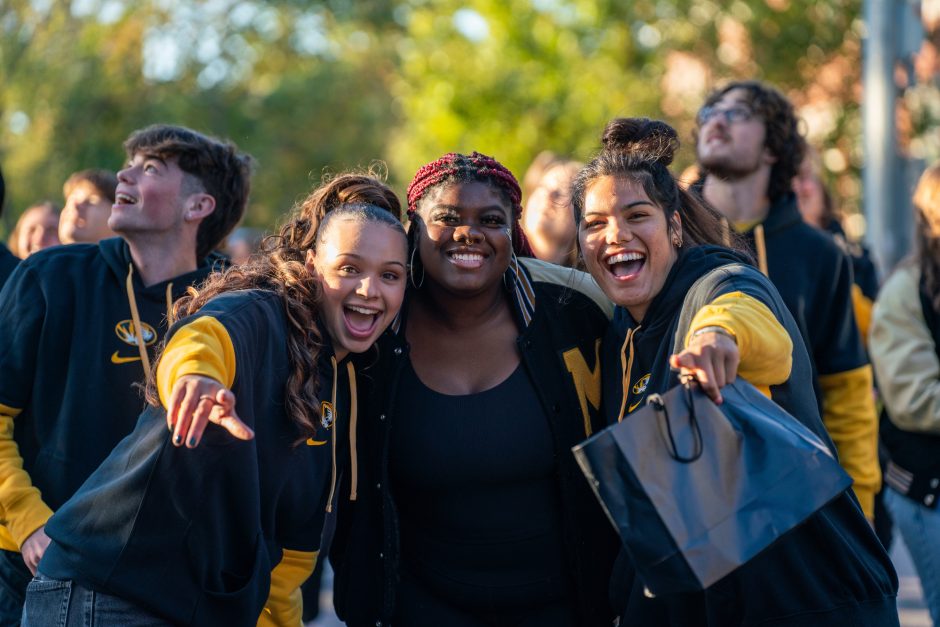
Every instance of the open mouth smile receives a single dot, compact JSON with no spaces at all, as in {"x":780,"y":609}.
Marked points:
{"x":361,"y":321}
{"x":626,"y":266}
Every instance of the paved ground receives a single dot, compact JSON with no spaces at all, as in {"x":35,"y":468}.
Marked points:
{"x":911,"y":606}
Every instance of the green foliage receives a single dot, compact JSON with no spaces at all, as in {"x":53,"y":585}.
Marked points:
{"x":308,"y":87}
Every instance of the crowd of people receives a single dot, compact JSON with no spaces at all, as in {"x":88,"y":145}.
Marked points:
{"x":185,"y":434}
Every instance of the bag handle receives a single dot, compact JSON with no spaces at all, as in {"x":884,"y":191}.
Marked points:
{"x":658,"y":405}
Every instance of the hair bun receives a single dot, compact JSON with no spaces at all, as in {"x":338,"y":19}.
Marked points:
{"x":651,"y":140}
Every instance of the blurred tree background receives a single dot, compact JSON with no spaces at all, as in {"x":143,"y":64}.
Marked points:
{"x":309,"y":87}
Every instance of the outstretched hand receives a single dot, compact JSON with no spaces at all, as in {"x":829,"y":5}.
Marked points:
{"x":195,"y":402}
{"x":712,"y":358}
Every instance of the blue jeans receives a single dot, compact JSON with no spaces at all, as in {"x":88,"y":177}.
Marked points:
{"x":920,"y":528}
{"x":54,"y":603}
{"x":14,"y":576}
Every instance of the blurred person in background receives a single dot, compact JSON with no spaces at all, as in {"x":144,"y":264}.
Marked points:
{"x":243,"y":243}
{"x":905,"y":350}
{"x":37,"y":228}
{"x":818,"y":209}
{"x":546,"y":215}
{"x":89,"y":195}
{"x":749,"y":148}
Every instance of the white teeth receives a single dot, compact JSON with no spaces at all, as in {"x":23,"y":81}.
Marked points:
{"x":125,"y":199}
{"x":625,"y":257}
{"x":467,"y":257}
{"x":362,"y":310}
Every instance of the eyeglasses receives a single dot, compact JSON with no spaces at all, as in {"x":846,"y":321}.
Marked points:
{"x":733,"y":114}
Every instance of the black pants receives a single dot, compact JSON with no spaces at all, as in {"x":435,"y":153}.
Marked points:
{"x":419,"y":607}
{"x":14,"y":577}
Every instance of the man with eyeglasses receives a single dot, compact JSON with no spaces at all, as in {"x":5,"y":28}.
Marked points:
{"x":749,"y":148}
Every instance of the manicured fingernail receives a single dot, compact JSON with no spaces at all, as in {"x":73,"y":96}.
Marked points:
{"x":192,"y":441}
{"x":177,"y":439}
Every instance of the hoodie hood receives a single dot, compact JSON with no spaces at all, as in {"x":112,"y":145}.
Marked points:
{"x":117,"y":255}
{"x":783,"y":214}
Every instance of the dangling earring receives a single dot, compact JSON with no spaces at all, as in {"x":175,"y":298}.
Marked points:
{"x":411,"y":271}
{"x":677,"y":241}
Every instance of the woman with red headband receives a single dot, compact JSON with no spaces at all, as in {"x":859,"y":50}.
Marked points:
{"x":470,"y":508}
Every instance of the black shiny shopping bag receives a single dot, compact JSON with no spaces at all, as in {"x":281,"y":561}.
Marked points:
{"x":697,"y":489}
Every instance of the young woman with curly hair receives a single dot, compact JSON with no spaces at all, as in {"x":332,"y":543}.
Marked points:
{"x":162,"y":534}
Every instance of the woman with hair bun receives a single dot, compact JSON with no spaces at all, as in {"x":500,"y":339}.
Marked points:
{"x":471,"y":509}
{"x":687,"y":305}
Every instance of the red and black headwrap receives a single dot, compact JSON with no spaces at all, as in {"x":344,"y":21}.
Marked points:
{"x":458,"y":168}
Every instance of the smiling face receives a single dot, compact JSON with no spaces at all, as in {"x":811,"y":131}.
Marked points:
{"x":153,"y":196}
{"x":627,"y":243}
{"x":731,"y":138}
{"x":465,"y":237}
{"x":85,"y":215}
{"x":361,"y":267}
{"x":37,"y":229}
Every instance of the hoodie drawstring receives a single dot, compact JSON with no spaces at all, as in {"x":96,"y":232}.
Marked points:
{"x":627,"y":365}
{"x":761,"y":249}
{"x":135,"y":316}
{"x":169,"y":305}
{"x":329,"y":501}
{"x":353,"y":454}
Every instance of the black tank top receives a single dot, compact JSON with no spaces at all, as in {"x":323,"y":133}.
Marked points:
{"x":474,"y":478}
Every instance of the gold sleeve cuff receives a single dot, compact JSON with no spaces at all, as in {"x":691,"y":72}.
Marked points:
{"x":765,"y":347}
{"x":852,"y":422}
{"x":22,"y":510}
{"x":202,"y":347}
{"x":285,"y":604}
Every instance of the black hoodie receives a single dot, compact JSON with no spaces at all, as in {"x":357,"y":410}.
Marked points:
{"x":830,"y":568}
{"x":70,"y":358}
{"x":8,"y":263}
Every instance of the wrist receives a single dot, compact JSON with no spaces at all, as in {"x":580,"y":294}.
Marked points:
{"x":714,"y":329}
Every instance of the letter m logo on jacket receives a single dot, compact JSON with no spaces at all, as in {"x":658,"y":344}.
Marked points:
{"x":587,"y":381}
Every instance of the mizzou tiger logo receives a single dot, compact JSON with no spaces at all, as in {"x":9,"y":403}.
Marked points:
{"x":127,"y":333}
{"x":327,"y":419}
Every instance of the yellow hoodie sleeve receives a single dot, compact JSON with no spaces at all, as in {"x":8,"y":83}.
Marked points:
{"x":201,"y":347}
{"x":852,"y":422}
{"x":285,"y":603}
{"x":765,"y":346}
{"x":22,"y":510}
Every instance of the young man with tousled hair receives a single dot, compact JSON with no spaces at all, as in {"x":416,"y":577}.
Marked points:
{"x":79,"y":324}
{"x":749,"y":148}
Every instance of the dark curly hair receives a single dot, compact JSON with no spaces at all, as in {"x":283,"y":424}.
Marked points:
{"x":641,"y":150}
{"x":223,"y":172}
{"x":781,"y":136}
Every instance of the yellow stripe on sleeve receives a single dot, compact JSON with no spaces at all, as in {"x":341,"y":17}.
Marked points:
{"x":201,"y":347}
{"x":852,"y":422}
{"x":285,"y":603}
{"x":765,"y":346}
{"x":862,"y":307}
{"x":22,"y":510}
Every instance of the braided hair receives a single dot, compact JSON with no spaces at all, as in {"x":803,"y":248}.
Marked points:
{"x":475,"y":167}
